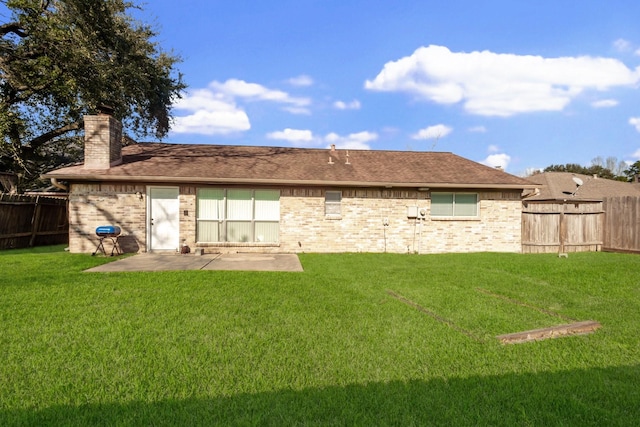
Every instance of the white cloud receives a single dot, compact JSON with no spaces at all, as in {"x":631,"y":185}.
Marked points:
{"x":210,"y":115}
{"x":301,"y":80}
{"x":355,"y":141}
{"x":478,"y":129}
{"x":497,"y":160}
{"x":235,"y":88}
{"x":636,"y":155}
{"x":212,"y":122}
{"x":293,"y":136}
{"x":214,"y":110}
{"x":635,"y":122}
{"x":604,"y":103}
{"x":622,"y":45}
{"x":433,"y":132}
{"x":297,"y":110}
{"x":299,"y":138}
{"x":341,"y":105}
{"x":492,"y":84}
{"x":202,"y":99}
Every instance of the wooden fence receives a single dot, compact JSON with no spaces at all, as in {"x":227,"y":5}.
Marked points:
{"x":562,"y":226}
{"x":27,"y":221}
{"x":622,"y":224}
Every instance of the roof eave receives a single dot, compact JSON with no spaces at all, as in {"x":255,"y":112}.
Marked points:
{"x":563,"y":200}
{"x":203,"y":180}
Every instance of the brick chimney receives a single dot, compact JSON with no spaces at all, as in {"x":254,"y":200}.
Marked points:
{"x":102,"y":141}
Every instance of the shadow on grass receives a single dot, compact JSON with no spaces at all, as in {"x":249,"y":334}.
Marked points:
{"x":35,"y":250}
{"x":581,"y":397}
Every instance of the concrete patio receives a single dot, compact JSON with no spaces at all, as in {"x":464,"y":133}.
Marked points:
{"x":178,"y":262}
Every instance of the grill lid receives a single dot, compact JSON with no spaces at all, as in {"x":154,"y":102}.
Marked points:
{"x":108,"y":231}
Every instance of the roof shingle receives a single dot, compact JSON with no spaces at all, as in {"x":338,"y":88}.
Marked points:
{"x":278,"y":165}
{"x":560,"y":186}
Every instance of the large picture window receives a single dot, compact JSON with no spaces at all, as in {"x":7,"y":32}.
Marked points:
{"x":238,"y":215}
{"x":454,"y":205}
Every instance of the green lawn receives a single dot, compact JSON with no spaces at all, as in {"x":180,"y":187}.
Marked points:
{"x":329,"y":346}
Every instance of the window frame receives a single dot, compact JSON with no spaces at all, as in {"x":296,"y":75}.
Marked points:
{"x":454,"y":215}
{"x":333,"y":208}
{"x":224,"y":210}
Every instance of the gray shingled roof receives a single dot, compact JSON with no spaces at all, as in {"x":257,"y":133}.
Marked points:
{"x":560,"y":186}
{"x":157,"y":162}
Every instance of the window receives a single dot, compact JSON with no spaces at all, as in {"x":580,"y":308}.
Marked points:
{"x":332,"y":201}
{"x":238,"y":215}
{"x":454,"y":205}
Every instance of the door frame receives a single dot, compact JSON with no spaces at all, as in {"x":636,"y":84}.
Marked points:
{"x":150,"y":188}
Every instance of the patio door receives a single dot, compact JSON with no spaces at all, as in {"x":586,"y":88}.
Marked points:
{"x":163,"y":219}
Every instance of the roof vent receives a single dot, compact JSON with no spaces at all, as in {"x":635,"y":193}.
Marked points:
{"x":333,"y":147}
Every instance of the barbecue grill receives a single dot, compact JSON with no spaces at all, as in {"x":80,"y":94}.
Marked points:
{"x":111,"y":232}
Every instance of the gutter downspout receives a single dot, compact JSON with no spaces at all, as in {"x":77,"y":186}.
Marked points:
{"x":55,"y":183}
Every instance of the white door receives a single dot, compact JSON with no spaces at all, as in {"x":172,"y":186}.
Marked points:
{"x":163,"y":218}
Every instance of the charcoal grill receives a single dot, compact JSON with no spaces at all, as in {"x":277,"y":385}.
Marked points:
{"x":111,"y":232}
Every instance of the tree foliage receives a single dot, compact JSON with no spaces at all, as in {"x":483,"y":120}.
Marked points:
{"x":600,"y":171}
{"x":62,"y":59}
{"x":633,"y":171}
{"x":611,"y":163}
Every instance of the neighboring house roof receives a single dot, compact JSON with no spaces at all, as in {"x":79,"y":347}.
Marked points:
{"x":159,"y":162}
{"x":561,"y":186}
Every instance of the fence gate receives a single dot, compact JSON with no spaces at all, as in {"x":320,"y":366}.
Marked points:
{"x":562,"y":226}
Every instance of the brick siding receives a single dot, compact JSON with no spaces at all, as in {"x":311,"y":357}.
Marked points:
{"x":360,"y":228}
{"x":93,"y":205}
{"x":304,"y":226}
{"x":103,"y":142}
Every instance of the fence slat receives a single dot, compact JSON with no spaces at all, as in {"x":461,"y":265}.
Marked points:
{"x":622,"y":224}
{"x":32,"y":221}
{"x":561,"y":226}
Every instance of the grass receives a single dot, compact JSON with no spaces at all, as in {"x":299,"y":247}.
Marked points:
{"x":329,"y":346}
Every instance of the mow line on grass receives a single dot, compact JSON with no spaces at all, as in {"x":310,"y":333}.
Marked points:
{"x":524,"y":304}
{"x":434,"y":315}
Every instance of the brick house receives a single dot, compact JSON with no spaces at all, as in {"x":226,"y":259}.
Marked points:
{"x":269,"y":199}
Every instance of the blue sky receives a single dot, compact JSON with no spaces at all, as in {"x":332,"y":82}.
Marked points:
{"x":519,"y":84}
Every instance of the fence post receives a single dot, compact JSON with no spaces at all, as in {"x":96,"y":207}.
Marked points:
{"x":35,"y":221}
{"x":562,"y":230}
